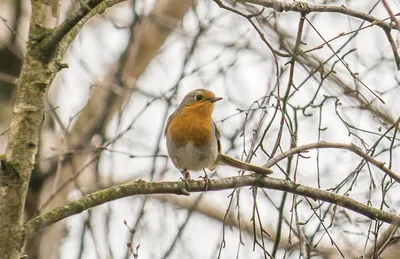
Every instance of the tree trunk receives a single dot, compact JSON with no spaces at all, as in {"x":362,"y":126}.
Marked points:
{"x":37,"y":73}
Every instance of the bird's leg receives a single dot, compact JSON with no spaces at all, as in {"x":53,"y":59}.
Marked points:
{"x":205,"y":178}
{"x":186,"y":175}
{"x":185,"y":178}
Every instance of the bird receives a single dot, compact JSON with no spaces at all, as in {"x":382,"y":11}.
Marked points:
{"x":193,"y":140}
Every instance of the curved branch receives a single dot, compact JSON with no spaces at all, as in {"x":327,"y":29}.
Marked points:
{"x":382,"y":243}
{"x":141,"y":187}
{"x":211,"y":210}
{"x":51,"y":41}
{"x":304,"y":7}
{"x":350,"y":147}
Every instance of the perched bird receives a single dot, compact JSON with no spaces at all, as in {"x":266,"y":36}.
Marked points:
{"x":193,"y":140}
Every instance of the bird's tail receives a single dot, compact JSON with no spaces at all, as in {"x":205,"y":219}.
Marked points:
{"x":230,"y":161}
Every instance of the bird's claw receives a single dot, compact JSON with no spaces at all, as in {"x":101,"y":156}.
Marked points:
{"x":205,"y":178}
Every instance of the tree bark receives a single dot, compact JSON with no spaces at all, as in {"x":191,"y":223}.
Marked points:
{"x":29,"y":109}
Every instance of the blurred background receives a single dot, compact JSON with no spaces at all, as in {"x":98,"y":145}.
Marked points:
{"x":130,"y":67}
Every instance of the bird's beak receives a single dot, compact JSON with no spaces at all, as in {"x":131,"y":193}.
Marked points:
{"x":216,"y":99}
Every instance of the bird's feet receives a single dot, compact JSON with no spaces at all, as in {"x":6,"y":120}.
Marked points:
{"x":205,"y":178}
{"x":186,"y":175}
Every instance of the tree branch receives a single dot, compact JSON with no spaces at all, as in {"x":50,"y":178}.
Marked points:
{"x":26,"y":124}
{"x":381,"y":244}
{"x":350,"y":147}
{"x":141,"y":187}
{"x":211,"y":210}
{"x":303,"y":7}
{"x":51,"y":41}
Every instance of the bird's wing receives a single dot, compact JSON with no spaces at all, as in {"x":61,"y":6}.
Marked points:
{"x":218,"y":136}
{"x":167,"y":124}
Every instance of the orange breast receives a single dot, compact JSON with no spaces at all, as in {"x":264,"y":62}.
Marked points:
{"x":193,"y":124}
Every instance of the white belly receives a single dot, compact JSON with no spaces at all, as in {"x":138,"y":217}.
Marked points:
{"x":191,"y":157}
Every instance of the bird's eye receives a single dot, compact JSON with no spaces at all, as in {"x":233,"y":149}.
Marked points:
{"x":198,"y":97}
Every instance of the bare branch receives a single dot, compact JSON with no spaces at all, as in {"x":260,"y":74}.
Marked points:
{"x":304,"y":7}
{"x":51,"y":41}
{"x":350,"y":147}
{"x":141,"y":187}
{"x":382,"y":243}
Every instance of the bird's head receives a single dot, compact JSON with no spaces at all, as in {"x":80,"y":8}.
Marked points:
{"x":200,"y":98}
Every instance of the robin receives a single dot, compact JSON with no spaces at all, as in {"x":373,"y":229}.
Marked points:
{"x":193,"y":140}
